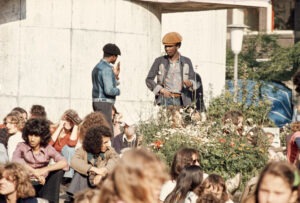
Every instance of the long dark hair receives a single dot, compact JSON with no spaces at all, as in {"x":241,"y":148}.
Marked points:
{"x":189,"y":178}
{"x":182,"y":158}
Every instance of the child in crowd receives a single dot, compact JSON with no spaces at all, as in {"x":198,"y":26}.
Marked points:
{"x":278,"y":182}
{"x":35,"y":153}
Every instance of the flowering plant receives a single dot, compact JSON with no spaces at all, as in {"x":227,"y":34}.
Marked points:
{"x":223,"y":149}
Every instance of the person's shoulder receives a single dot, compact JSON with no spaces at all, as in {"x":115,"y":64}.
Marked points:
{"x":161,"y":58}
{"x":185,"y":58}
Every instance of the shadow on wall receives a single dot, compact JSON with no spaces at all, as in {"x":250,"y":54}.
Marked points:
{"x":12,"y":10}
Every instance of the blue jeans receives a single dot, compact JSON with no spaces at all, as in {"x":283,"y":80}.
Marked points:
{"x":68,"y":153}
{"x":171,"y":101}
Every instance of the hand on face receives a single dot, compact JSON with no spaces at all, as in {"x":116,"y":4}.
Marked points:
{"x":116,"y":70}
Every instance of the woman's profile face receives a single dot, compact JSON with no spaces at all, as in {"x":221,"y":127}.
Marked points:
{"x":7,"y":185}
{"x":275,"y":189}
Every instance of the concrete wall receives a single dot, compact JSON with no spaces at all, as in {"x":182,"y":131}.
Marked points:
{"x":204,"y":42}
{"x":48,"y":49}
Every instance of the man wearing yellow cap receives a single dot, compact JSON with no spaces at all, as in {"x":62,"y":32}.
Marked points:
{"x":174,"y":73}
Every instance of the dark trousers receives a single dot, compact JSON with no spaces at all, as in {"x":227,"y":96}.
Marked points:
{"x":50,"y":190}
{"x":106,"y":109}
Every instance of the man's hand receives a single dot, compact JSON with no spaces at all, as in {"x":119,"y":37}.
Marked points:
{"x":116,"y":70}
{"x":99,"y":171}
{"x":187,"y":83}
{"x":165,"y":93}
{"x":97,"y":179}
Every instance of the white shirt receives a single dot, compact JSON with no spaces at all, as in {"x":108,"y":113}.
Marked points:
{"x":166,"y":189}
{"x":12,"y":143}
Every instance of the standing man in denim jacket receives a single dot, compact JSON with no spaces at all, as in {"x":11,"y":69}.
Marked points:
{"x":104,"y":78}
{"x":175,"y":76}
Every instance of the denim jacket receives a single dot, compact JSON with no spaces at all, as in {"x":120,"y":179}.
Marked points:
{"x":104,"y":82}
{"x":160,"y":68}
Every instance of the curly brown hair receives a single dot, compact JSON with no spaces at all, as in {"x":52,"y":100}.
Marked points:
{"x":17,"y":118}
{"x":93,"y":139}
{"x":39,"y":127}
{"x":15,"y":172}
{"x":90,"y":120}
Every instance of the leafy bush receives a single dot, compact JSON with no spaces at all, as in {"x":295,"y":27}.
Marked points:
{"x":222,"y":150}
{"x":281,"y":63}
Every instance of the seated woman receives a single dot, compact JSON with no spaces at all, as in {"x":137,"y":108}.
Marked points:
{"x":278,"y":182}
{"x":35,"y":153}
{"x":94,"y":160}
{"x":15,"y":185}
{"x":14,"y":122}
{"x":65,"y":136}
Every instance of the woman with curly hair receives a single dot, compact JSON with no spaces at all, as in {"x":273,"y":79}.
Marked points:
{"x":14,"y":123}
{"x":35,"y":153}
{"x":94,"y":160}
{"x":137,"y":178}
{"x":15,"y":185}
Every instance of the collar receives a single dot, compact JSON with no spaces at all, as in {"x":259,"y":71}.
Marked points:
{"x":105,"y":61}
{"x":177,"y":61}
{"x":131,"y":140}
{"x":28,"y":148}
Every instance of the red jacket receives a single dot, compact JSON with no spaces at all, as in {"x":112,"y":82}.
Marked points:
{"x":292,"y":148}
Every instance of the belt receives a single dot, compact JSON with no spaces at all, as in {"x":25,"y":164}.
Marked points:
{"x":103,"y":100}
{"x":175,"y":94}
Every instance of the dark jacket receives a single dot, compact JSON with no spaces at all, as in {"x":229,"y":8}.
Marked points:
{"x":159,"y":70}
{"x":118,"y":143}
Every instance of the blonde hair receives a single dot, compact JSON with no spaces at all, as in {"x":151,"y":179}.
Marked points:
{"x":136,"y":179}
{"x":18,"y":174}
{"x":17,"y":118}
{"x":87,"y":195}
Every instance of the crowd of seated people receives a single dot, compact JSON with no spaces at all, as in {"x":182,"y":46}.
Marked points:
{"x":91,"y":160}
